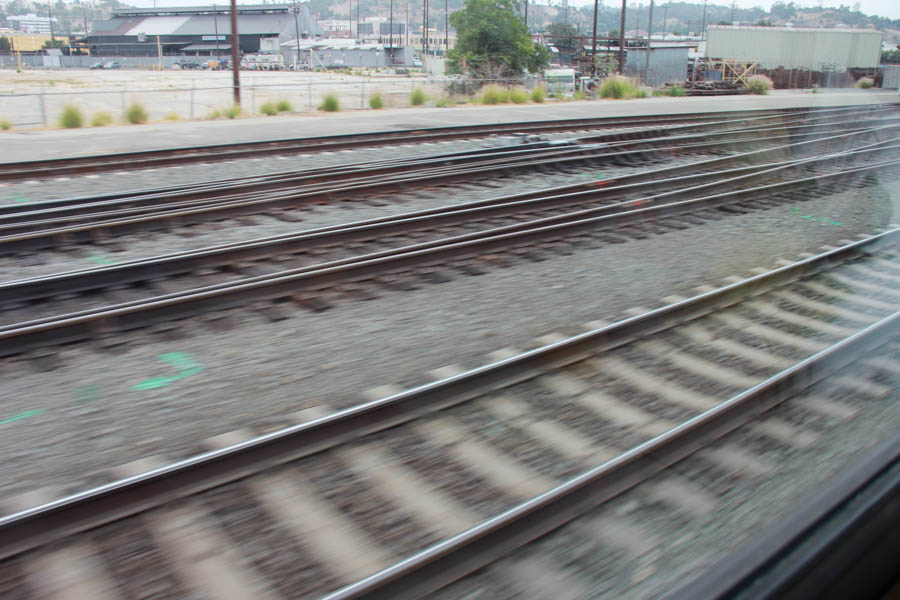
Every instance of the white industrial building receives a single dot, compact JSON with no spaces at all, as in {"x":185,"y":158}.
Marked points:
{"x":810,"y":49}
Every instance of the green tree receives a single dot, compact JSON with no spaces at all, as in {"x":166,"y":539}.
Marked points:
{"x":55,"y":44}
{"x":492,"y":41}
{"x":890,"y":57}
{"x":564,"y":31}
{"x":5,"y":46}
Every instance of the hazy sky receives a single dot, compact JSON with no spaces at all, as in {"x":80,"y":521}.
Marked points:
{"x":884,"y":8}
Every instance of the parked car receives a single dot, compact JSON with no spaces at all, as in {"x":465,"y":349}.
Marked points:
{"x":112,"y":65}
{"x":188,"y":64}
{"x":98,"y":65}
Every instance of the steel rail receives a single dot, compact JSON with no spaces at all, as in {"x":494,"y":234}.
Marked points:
{"x":165,"y":266}
{"x":372,"y":174}
{"x":179,"y":211}
{"x":48,"y":523}
{"x":448,"y":561}
{"x":220,"y":152}
{"x":330,"y":174}
{"x":73,"y":327}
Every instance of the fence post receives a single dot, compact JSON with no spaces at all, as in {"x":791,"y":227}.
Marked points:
{"x":362,"y":94}
{"x":253,"y":96}
{"x":309,"y":96}
{"x":43,"y":108}
{"x":193,"y":86}
{"x":124,"y":108}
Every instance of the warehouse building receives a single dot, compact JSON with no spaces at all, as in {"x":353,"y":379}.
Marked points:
{"x":798,"y":57}
{"x":330,"y":53}
{"x":195,"y":31}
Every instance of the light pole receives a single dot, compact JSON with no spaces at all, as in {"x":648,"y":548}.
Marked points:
{"x":296,"y":10}
{"x":235,"y":54}
{"x":594,"y":42}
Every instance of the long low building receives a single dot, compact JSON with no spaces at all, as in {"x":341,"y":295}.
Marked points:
{"x":195,"y":31}
{"x":795,"y":47}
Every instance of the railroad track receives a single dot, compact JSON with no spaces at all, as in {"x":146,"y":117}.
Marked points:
{"x":65,"y":225}
{"x":286,"y":196}
{"x":311,"y":268}
{"x":15,"y":171}
{"x":416,"y":488}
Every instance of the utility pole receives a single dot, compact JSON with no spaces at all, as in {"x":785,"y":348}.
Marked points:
{"x":405,"y":28}
{"x":50,"y":13}
{"x":703,"y":21}
{"x":391,"y":34}
{"x":649,"y":43}
{"x":732,"y":12}
{"x":622,"y":41}
{"x":447,"y":26}
{"x":425,"y":32}
{"x":665,"y":14}
{"x":216,"y":22}
{"x":236,"y":53}
{"x":296,"y":10}
{"x":637,"y":21}
{"x":594,"y":42}
{"x":526,"y":14}
{"x":84,"y":12}
{"x":159,"y":52}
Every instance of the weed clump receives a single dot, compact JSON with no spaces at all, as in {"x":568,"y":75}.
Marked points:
{"x":101,"y":119}
{"x":376,"y":101}
{"x":759,"y":84}
{"x":539,"y":94}
{"x":865,"y":83}
{"x":284,"y":106}
{"x":136,"y":114}
{"x":418,"y":97}
{"x":71,"y":117}
{"x":518,"y":95}
{"x":494,"y":94}
{"x":5,"y":125}
{"x":619,"y":87}
{"x":675,"y":90}
{"x":269,"y":108}
{"x":330,"y":103}
{"x":233,"y":111}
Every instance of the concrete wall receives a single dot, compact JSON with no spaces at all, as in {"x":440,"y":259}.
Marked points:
{"x":793,"y":48}
{"x":666,"y":65}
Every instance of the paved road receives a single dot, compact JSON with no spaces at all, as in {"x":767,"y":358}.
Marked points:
{"x":37,"y":144}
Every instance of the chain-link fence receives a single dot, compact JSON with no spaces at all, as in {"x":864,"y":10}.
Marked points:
{"x":210,"y":99}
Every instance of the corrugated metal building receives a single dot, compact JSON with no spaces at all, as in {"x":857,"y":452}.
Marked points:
{"x":194,"y":30}
{"x":796,"y":48}
{"x":330,"y":53}
{"x":667,"y":64}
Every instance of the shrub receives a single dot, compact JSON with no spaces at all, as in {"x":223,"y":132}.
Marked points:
{"x":330,"y":103}
{"x":172,"y":116}
{"x":5,"y":125}
{"x":233,"y":111}
{"x":617,"y":86}
{"x":494,"y":94}
{"x":518,"y":95}
{"x":215,"y":114}
{"x":101,"y":119}
{"x":580,"y":95}
{"x":376,"y":101}
{"x":269,"y":108}
{"x":640,"y":93}
{"x":759,"y":84}
{"x":865,"y":83}
{"x":418,"y":97}
{"x":539,"y":94}
{"x":675,"y":90}
{"x":71,"y":117}
{"x":284,"y":106}
{"x":136,"y":114}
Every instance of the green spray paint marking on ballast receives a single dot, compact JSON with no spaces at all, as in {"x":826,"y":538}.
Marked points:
{"x":102,"y":260}
{"x":812,"y":218}
{"x":19,"y":198}
{"x":20,"y":416}
{"x":180,"y":360}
